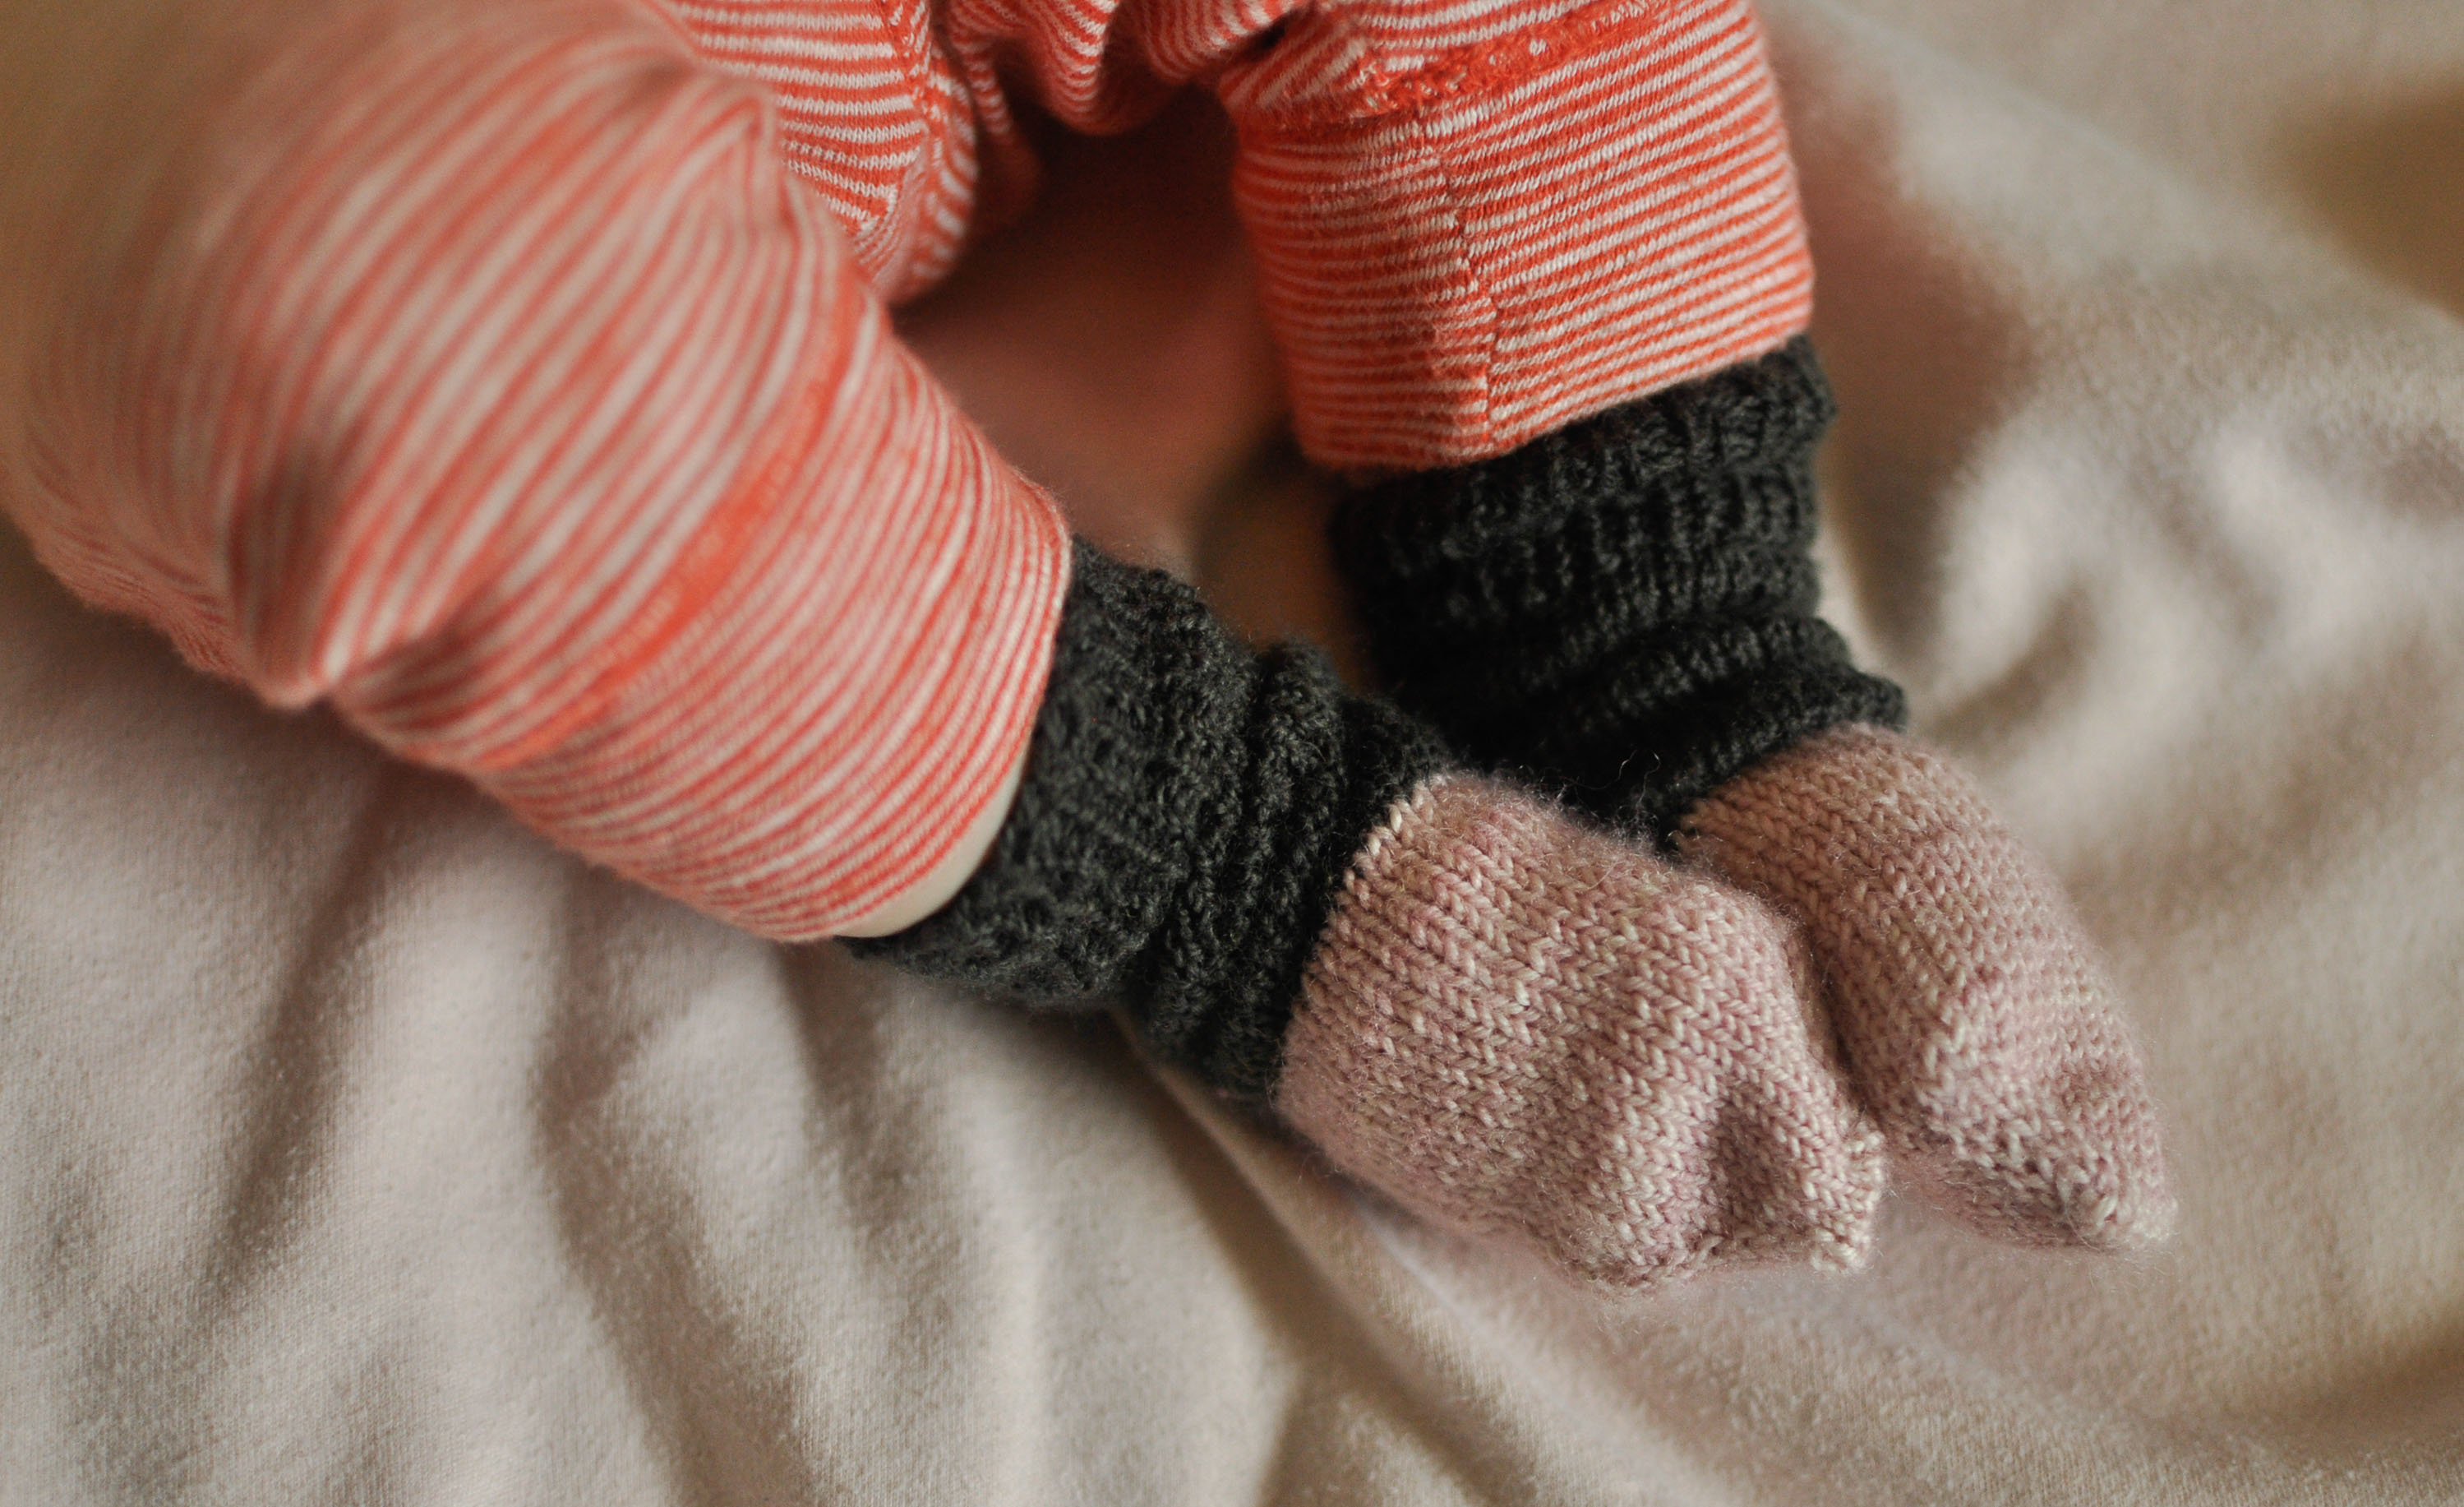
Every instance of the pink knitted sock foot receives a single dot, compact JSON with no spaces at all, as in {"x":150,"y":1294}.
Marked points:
{"x":1972,"y":1011}
{"x":1517,"y":1024}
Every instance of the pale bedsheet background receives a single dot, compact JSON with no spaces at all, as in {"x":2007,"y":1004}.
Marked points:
{"x":356,"y":1147}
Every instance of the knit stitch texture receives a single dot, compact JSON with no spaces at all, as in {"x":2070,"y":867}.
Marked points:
{"x":1624,"y":608}
{"x":1188,"y":812}
{"x":1516,"y":1024}
{"x":1971,"y":1007}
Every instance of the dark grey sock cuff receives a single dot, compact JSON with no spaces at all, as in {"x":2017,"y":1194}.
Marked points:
{"x":1188,"y":812}
{"x":1624,"y":608}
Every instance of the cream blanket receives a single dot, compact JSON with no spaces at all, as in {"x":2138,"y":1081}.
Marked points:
{"x":356,"y":1147}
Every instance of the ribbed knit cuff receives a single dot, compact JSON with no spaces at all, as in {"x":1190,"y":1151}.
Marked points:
{"x":1189,"y":809}
{"x":1624,"y":608}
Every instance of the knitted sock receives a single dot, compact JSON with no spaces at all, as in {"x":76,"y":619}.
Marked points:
{"x":1524,"y":1024}
{"x":1626,"y":607}
{"x":1506,"y":1021}
{"x":1981,"y":1027}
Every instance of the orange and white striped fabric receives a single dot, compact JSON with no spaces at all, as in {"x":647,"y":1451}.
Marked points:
{"x":488,"y":377}
{"x":514,"y":375}
{"x":1478,"y":220}
{"x":1478,"y":223}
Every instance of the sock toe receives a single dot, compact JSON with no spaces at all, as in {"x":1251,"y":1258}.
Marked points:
{"x":1976,"y":1019}
{"x":1514,"y":1024}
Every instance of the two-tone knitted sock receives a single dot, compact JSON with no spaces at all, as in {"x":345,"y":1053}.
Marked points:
{"x":1509,"y":1022}
{"x":1626,"y":609}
